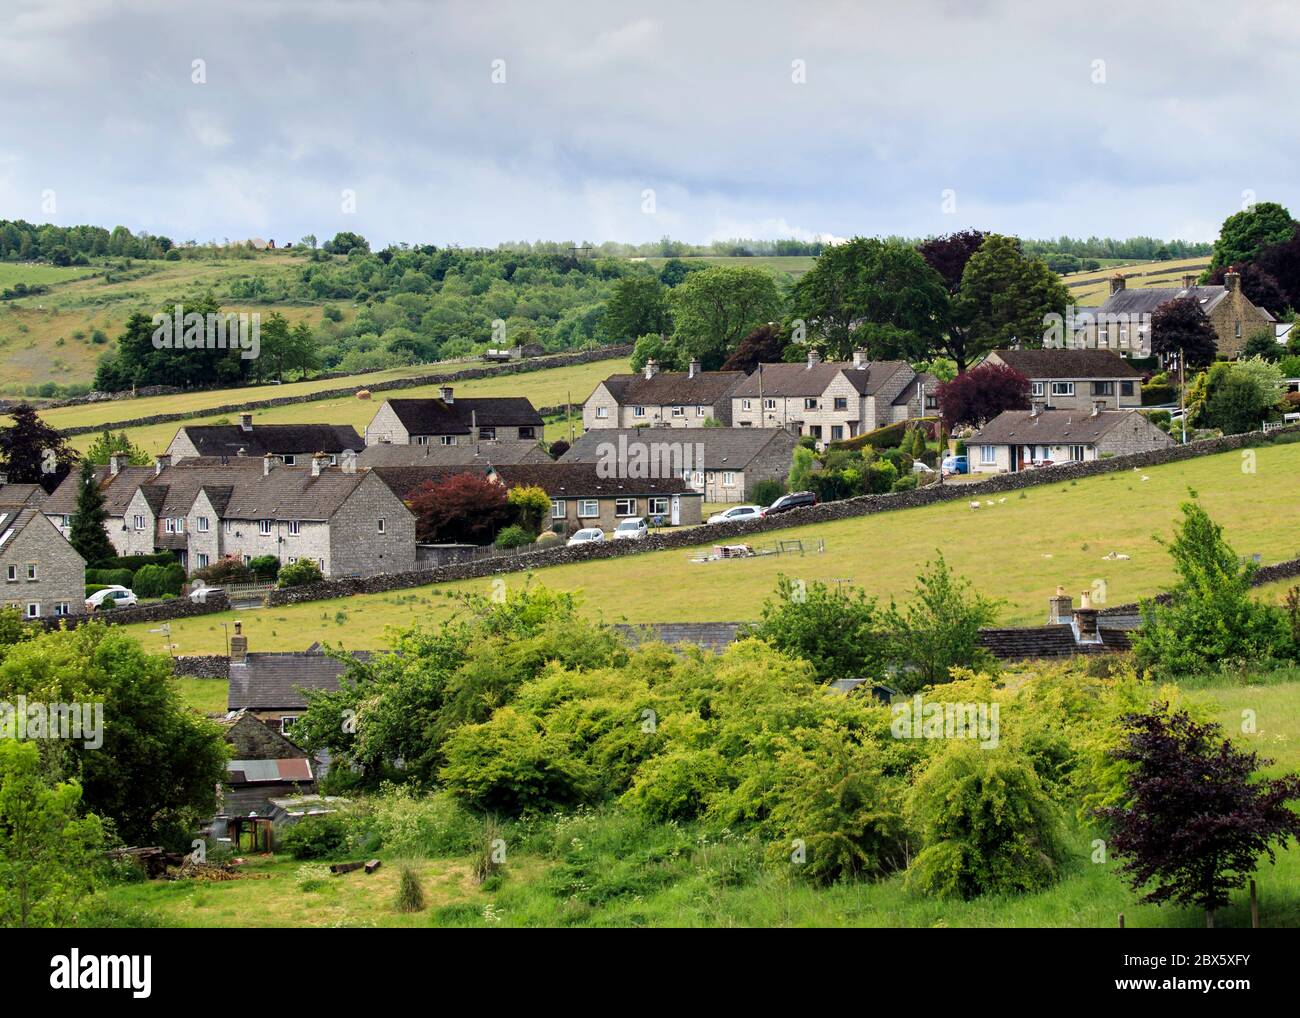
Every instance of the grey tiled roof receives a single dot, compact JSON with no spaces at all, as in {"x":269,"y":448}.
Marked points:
{"x":434,"y":417}
{"x":1067,"y":363}
{"x":803,"y":379}
{"x":722,"y":448}
{"x":674,"y":388}
{"x":584,"y":480}
{"x":295,"y":439}
{"x":117,"y":490}
{"x":269,"y":681}
{"x":1145,"y":300}
{"x":1051,"y":427}
{"x":462,"y":453}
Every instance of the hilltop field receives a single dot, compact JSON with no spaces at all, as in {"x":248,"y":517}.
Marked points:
{"x":1017,"y":550}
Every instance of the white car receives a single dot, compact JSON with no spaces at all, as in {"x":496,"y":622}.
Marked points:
{"x":111,"y":597}
{"x":631,"y":529}
{"x":738,"y":512}
{"x":587,"y":535}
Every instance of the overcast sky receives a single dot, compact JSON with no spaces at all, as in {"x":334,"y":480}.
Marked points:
{"x":620,"y":121}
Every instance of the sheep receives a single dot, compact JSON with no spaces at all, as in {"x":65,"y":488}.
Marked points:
{"x":974,"y":505}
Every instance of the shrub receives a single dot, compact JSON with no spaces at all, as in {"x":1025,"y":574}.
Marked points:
{"x":408,"y":824}
{"x":766,"y":492}
{"x":1156,"y":395}
{"x":838,"y":633}
{"x":225,"y":570}
{"x":410,"y":892}
{"x":312,"y":877}
{"x":880,"y":477}
{"x":110,"y":577}
{"x":548,"y":539}
{"x":490,"y":861}
{"x":322,"y":836}
{"x":300,"y":573}
{"x":133,"y":562}
{"x":513,"y":536}
{"x":157,"y":581}
{"x":907,"y":483}
{"x":986,"y":824}
{"x":265,"y":567}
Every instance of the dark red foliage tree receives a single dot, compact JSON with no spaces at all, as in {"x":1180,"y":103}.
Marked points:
{"x":466,"y":508}
{"x":1196,"y":820}
{"x":981,"y":394}
{"x":32,"y":452}
{"x":765,"y":345}
{"x":558,"y":448}
{"x":1261,"y":287}
{"x":948,"y":255}
{"x":1180,"y":324}
{"x":1282,"y":263}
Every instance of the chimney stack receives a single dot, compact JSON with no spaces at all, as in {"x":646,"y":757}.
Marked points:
{"x":1085,"y":620}
{"x":814,"y":357}
{"x":446,"y":394}
{"x":246,"y":422}
{"x":319,"y":462}
{"x":1117,"y":283}
{"x":859,"y":359}
{"x":239,"y":646}
{"x":1034,"y":410}
{"x":1060,"y":608}
{"x":1232,"y":279}
{"x":116,"y":462}
{"x":695,"y":367}
{"x":161,"y":463}
{"x":269,"y":462}
{"x":1189,"y":280}
{"x":651,"y":368}
{"x":1098,"y":405}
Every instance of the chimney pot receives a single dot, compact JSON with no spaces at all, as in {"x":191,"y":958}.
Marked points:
{"x":814,"y":357}
{"x":161,"y":463}
{"x":246,"y":422}
{"x":239,"y":646}
{"x":1060,"y":607}
{"x":445,"y":392}
{"x":695,"y":367}
{"x":1189,"y":280}
{"x":269,"y":462}
{"x":859,"y":359}
{"x":318,"y":463}
{"x":1232,"y":279}
{"x":651,"y":368}
{"x":116,"y":462}
{"x":1117,"y":283}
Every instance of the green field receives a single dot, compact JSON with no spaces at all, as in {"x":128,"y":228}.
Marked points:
{"x":1164,"y":274}
{"x":677,"y":877}
{"x":1017,"y":550}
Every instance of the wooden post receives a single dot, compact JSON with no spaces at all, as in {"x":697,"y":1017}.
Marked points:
{"x":1121,"y":920}
{"x":1254,"y":907}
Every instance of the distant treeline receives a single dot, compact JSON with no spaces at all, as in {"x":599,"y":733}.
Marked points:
{"x":75,"y":245}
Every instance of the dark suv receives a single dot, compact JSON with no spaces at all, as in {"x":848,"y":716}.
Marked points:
{"x":794,"y":500}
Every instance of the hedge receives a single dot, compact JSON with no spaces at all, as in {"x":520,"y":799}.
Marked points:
{"x":1158,"y":395}
{"x":133,"y":562}
{"x":888,"y":437}
{"x":110,"y":577}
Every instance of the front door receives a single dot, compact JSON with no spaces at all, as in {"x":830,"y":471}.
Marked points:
{"x":677,"y":510}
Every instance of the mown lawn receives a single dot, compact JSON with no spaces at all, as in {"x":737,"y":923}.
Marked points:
{"x":1016,"y":550}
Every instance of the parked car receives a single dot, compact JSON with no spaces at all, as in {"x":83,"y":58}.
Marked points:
{"x":111,"y":597}
{"x":631,"y":529}
{"x":737,"y":512}
{"x":921,"y":468}
{"x":587,"y":535}
{"x":794,"y":500}
{"x":202,"y":592}
{"x":955,"y":465}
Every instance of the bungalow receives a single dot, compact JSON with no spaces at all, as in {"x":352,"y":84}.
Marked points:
{"x":42,"y":574}
{"x":832,"y":401}
{"x":661,"y":399}
{"x":722,"y":464}
{"x":1022,"y":439}
{"x":449,"y":421}
{"x":290,"y":442}
{"x":1075,"y":379}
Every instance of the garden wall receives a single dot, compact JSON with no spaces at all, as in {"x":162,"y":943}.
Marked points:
{"x":176,"y":608}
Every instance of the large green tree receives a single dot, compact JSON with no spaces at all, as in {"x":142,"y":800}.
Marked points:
{"x":1005,"y":299}
{"x":716,"y":308}
{"x":87,"y":533}
{"x":1244,"y":234}
{"x":637,"y":305}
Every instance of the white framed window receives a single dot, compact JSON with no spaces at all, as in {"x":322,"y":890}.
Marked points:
{"x":810,"y":404}
{"x":203,"y":560}
{"x":321,"y":563}
{"x":247,"y":559}
{"x":679,"y":411}
{"x":746,"y":404}
{"x":334,"y":459}
{"x":769,"y":404}
{"x":11,"y":574}
{"x":557,"y":509}
{"x":988,"y":454}
{"x":264,"y":527}
{"x":295,"y":527}
{"x":1036,"y":388}
{"x":421,"y":439}
{"x":33,"y":609}
{"x":448,"y":439}
{"x":528,"y":432}
{"x":1103,"y":388}
{"x":31,"y":570}
{"x":638,"y":411}
{"x":286,"y":723}
{"x":204,"y":525}
{"x":602,"y":412}
{"x":1076,"y":453}
{"x":1238,"y":328}
{"x":587,"y":508}
{"x":379,"y":525}
{"x":62,"y":608}
{"x":700,"y":411}
{"x":841,"y":403}
{"x":624,"y":507}
{"x":837,"y":432}
{"x":290,"y":459}
{"x":230,"y":526}
{"x":293,"y":559}
{"x":1062,"y":388}
{"x":657,"y":506}
{"x":487,"y":434}
{"x":67,"y":520}
{"x":728,"y":479}
{"x":174,"y":525}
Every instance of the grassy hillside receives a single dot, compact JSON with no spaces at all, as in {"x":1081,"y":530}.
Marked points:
{"x":795,"y":265}
{"x":547,"y":387}
{"x":1017,"y":550}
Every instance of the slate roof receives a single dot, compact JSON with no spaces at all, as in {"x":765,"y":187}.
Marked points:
{"x":117,"y":490}
{"x":909,"y":393}
{"x":404,"y":480}
{"x":463,"y":453}
{"x":1051,"y":427}
{"x":807,"y":380}
{"x":583,"y":480}
{"x":13,"y":518}
{"x":1067,"y":363}
{"x":22,"y":494}
{"x":295,"y":439}
{"x":1145,"y":299}
{"x":723,"y":448}
{"x":272,"y":681}
{"x":674,"y":388}
{"x":1032,"y":642}
{"x":286,"y":493}
{"x":435,"y":417}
